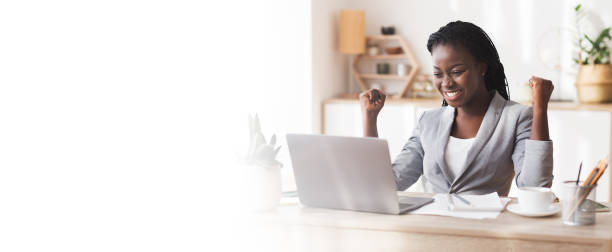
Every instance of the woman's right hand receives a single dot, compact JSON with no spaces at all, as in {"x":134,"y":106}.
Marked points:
{"x":371,"y":102}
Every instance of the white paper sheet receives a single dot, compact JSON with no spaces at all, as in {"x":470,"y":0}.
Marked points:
{"x":440,"y":206}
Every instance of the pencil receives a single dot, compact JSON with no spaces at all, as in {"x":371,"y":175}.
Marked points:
{"x":593,"y":178}
{"x":588,"y":177}
{"x":580,"y":191}
{"x":601,"y":171}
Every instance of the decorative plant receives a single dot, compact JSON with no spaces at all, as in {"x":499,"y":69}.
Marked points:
{"x":260,"y":152}
{"x":591,"y":51}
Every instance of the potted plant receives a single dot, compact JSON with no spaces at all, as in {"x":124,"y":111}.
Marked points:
{"x":594,"y":79}
{"x":262,"y":170}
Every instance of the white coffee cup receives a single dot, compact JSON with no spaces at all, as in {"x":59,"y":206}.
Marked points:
{"x":535,"y":199}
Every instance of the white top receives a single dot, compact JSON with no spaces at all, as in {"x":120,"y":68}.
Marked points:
{"x":456,"y":153}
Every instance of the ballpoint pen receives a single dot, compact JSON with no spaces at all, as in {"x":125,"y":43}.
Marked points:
{"x":579,"y":170}
{"x":462,"y":199}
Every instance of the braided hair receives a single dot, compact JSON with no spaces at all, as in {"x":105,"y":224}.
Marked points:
{"x":479,"y":45}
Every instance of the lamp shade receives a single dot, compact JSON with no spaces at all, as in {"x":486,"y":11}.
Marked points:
{"x":352,"y":31}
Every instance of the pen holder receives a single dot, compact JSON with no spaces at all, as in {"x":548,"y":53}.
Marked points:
{"x":576,"y":201}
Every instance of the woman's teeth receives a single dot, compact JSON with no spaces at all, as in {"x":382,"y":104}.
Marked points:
{"x":451,"y":94}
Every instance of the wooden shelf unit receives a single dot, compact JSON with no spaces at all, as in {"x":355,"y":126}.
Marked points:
{"x":407,"y":55}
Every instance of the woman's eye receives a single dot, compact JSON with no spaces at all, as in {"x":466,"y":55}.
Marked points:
{"x":457,"y":72}
{"x":438,"y":75}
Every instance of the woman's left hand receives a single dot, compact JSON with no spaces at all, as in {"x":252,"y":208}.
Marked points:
{"x":541,"y":89}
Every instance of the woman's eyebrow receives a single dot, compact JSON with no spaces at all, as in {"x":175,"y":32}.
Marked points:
{"x":456,"y":65}
{"x":451,"y":66}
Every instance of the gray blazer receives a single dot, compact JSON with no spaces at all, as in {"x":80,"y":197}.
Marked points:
{"x":501,"y":149}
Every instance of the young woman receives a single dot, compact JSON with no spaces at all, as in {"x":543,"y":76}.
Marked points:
{"x":479,"y":140}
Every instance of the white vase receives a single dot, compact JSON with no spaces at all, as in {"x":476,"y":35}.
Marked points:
{"x":263,"y":187}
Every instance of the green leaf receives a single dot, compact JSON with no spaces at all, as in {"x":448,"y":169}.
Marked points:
{"x":598,"y":51}
{"x":603,"y":35}
{"x":589,"y":39}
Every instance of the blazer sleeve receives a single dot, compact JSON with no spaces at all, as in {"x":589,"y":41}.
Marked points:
{"x":533,"y":159}
{"x":408,"y":166}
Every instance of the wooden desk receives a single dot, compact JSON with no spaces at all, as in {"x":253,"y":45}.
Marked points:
{"x":293,"y":227}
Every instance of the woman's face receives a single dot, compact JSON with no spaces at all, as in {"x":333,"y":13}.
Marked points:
{"x":457,"y":75}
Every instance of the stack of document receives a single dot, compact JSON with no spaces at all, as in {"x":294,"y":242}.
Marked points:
{"x":487,"y":206}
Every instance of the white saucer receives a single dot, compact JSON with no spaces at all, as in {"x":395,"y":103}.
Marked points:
{"x":516,"y":209}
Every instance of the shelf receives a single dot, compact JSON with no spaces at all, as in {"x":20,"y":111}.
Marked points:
{"x":386,"y":56}
{"x":407,"y":54}
{"x":383,"y":76}
{"x":383,"y":37}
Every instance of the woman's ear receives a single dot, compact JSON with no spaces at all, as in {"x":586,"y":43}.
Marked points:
{"x":482,"y":67}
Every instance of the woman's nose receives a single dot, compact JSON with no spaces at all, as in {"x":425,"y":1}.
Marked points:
{"x":447,"y":81}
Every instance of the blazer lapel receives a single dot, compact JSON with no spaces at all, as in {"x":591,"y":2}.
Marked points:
{"x":444,"y":129}
{"x":487,"y":127}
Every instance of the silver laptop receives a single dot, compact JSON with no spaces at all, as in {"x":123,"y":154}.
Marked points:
{"x":351,"y":173}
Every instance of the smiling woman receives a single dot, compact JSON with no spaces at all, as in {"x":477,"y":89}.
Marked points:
{"x":479,"y":139}
{"x":466,"y":57}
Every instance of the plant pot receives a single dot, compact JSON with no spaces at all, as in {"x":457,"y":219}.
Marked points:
{"x":263,"y":187}
{"x":594,"y":83}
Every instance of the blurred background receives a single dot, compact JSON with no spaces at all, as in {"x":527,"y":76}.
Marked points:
{"x":308,"y":84}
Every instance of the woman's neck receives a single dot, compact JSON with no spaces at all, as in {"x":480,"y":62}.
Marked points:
{"x":477,"y":107}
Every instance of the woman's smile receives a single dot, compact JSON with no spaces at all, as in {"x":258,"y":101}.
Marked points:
{"x":452,"y":95}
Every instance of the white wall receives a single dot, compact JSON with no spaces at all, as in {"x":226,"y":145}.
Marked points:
{"x":329,"y":66}
{"x":523,"y":31}
{"x":282,"y":96}
{"x":113,"y":121}
{"x":302,"y":82}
